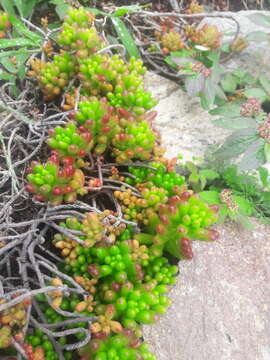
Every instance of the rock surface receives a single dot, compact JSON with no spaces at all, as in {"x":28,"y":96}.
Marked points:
{"x":220,"y":304}
{"x":185,"y":127}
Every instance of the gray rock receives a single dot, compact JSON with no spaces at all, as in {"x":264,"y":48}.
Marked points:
{"x":220,"y":304}
{"x":185,"y":127}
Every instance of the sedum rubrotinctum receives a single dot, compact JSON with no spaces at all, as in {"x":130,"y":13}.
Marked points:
{"x":122,"y":267}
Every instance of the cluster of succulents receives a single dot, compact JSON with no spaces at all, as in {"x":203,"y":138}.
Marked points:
{"x":264,"y":129}
{"x":53,"y":76}
{"x":12,"y":322}
{"x":194,"y":8}
{"x":252,"y":107}
{"x":5,"y":24}
{"x":117,"y":255}
{"x":122,"y":346}
{"x":55,"y":183}
{"x":207,"y":36}
{"x":172,"y":41}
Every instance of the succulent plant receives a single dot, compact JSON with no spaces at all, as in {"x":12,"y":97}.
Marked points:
{"x":53,"y":183}
{"x":207,"y":36}
{"x":172,"y":41}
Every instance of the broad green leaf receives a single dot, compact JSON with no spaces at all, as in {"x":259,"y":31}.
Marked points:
{"x":210,"y":197}
{"x":126,"y":9}
{"x":203,"y":181}
{"x":193,"y":177}
{"x":209,"y":174}
{"x":229,"y":83}
{"x":8,"y":6}
{"x":265,"y":83}
{"x":222,"y":214}
{"x":220,"y":93}
{"x":194,"y":84}
{"x":125,"y":37}
{"x":253,"y":157}
{"x":267,"y":151}
{"x":8,"y":65}
{"x":8,"y":77}
{"x":98,"y":12}
{"x":211,"y":84}
{"x":257,"y":36}
{"x":61,"y":7}
{"x":19,"y":5}
{"x":19,"y":26}
{"x":235,"y":122}
{"x":256,"y":92}
{"x":244,"y":205}
{"x":264,"y":176}
{"x":239,"y":73}
{"x":230,"y":110}
{"x":244,"y":221}
{"x":259,"y":19}
{"x":7,"y":43}
{"x":28,"y":7}
{"x":237,"y":143}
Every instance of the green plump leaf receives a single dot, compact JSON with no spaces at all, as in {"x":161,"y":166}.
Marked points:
{"x":193,"y":177}
{"x":237,"y":143}
{"x":229,"y":83}
{"x":257,"y":36}
{"x":260,"y":19}
{"x":8,"y":43}
{"x":263,"y":172}
{"x":230,"y":110}
{"x":256,"y":92}
{"x":125,"y":37}
{"x":210,"y":197}
{"x":209,"y":174}
{"x":253,"y":157}
{"x":235,"y":122}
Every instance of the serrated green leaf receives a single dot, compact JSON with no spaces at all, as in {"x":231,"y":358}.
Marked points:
{"x":209,"y":174}
{"x":259,"y":19}
{"x":244,"y":205}
{"x":230,"y":110}
{"x":193,"y":177}
{"x":235,"y":122}
{"x":229,"y":83}
{"x":256,"y":92}
{"x":210,"y":197}
{"x":265,"y":83}
{"x":253,"y":157}
{"x":257,"y":36}
{"x":222,"y":214}
{"x":244,"y":221}
{"x":194,"y":84}
{"x":8,"y":43}
{"x":125,"y":37}
{"x":267,"y":152}
{"x":263,"y":172}
{"x":237,"y":143}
